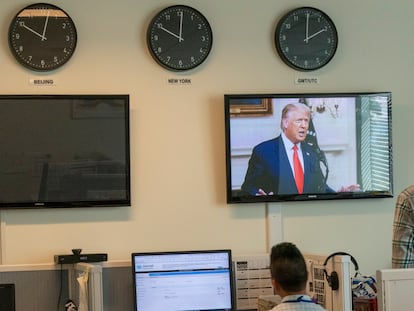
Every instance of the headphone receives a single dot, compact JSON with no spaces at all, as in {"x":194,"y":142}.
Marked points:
{"x":333,"y":279}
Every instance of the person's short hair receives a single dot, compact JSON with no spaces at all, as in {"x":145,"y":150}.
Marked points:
{"x":288,"y":267}
{"x":290,"y":107}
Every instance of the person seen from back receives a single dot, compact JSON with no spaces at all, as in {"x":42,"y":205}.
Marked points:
{"x":289,"y":277}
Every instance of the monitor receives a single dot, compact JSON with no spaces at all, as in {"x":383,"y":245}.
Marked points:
{"x":64,"y":151}
{"x":344,"y":141}
{"x":7,"y":297}
{"x":183,"y":280}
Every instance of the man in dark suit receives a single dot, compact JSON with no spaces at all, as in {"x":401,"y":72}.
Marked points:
{"x":271,"y":166}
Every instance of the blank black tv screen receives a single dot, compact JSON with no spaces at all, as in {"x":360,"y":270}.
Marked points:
{"x":344,"y":140}
{"x":64,"y":151}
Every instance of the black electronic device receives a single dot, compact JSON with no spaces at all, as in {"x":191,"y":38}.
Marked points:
{"x":64,"y":151}
{"x":77,"y":256}
{"x":7,"y":297}
{"x":333,"y":278}
{"x":345,"y":141}
{"x":183,"y":280}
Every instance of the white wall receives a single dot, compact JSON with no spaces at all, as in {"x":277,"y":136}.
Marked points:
{"x":177,"y":132}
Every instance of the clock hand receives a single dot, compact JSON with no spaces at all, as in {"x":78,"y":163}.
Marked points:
{"x":181,"y":27}
{"x":307,"y":28}
{"x":35,"y":32}
{"x":315,"y":34}
{"x":171,"y":33}
{"x":44,"y":27}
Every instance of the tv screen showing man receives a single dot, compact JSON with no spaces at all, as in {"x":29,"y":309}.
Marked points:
{"x":282,"y":147}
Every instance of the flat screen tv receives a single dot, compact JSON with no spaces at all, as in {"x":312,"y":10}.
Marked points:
{"x":64,"y":151}
{"x":343,"y":143}
{"x":183,"y":280}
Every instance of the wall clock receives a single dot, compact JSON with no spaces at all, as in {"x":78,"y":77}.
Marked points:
{"x":179,"y":38}
{"x":306,"y":38}
{"x":42,"y":37}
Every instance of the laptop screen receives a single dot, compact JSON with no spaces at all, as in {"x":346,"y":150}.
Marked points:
{"x":188,"y":280}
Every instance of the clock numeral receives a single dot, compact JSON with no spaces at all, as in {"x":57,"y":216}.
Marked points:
{"x":17,"y":36}
{"x":21,"y":49}
{"x":167,"y":17}
{"x":155,"y":38}
{"x":30,"y":57}
{"x":55,"y":59}
{"x":192,"y":59}
{"x":64,"y":25}
{"x":159,"y":50}
{"x":67,"y":38}
{"x":180,"y":63}
{"x":203,"y":38}
{"x":286,"y":49}
{"x":168,"y":59}
{"x":288,"y":26}
{"x":42,"y":62}
{"x":199,"y":26}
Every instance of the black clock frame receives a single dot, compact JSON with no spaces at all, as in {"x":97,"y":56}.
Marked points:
{"x":306,"y":48}
{"x":171,"y":44}
{"x":29,"y":42}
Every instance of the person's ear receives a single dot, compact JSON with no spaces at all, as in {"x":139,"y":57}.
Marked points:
{"x":276,"y":287}
{"x":284,"y":124}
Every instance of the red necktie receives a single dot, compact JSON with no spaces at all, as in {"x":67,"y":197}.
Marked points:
{"x":297,"y":167}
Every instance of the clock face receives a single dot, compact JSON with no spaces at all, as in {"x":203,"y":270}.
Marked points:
{"x":306,"y":39}
{"x":179,"y":38}
{"x":42,"y":37}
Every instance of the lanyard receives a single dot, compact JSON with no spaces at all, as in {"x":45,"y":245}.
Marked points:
{"x":299,"y":299}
